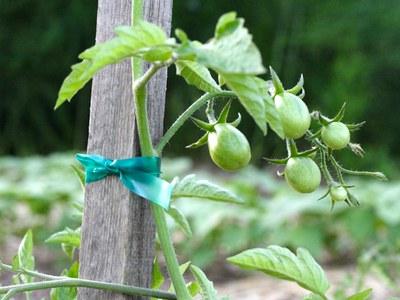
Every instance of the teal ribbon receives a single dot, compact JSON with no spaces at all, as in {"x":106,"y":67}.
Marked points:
{"x":139,"y":174}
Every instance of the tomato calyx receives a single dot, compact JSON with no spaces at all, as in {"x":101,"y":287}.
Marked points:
{"x":209,"y":126}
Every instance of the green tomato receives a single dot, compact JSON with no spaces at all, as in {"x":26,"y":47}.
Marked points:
{"x":336,"y":135}
{"x":302,"y":174}
{"x":338,"y":193}
{"x":294,"y":115}
{"x":228,"y":147}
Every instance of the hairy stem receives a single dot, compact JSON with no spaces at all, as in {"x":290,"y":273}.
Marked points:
{"x":210,"y":111}
{"x":146,"y":147}
{"x":12,"y":290}
{"x":187,"y":114}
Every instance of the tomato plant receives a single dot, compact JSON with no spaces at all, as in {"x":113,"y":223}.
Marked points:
{"x":232,"y":57}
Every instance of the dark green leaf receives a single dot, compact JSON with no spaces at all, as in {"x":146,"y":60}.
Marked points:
{"x":282,"y":263}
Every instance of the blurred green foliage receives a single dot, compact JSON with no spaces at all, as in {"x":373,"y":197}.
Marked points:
{"x":347,"y":50}
{"x":37,"y":193}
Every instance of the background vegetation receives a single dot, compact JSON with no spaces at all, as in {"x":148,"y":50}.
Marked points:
{"x":347,"y":50}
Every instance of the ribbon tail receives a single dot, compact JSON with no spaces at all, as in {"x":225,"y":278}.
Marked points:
{"x":148,"y":186}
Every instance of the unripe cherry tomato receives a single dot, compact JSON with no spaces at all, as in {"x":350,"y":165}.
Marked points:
{"x":336,"y":135}
{"x":294,"y":115}
{"x":302,"y":174}
{"x":338,"y":193}
{"x":228,"y":147}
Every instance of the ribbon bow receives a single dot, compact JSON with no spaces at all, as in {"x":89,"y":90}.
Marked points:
{"x":139,"y":174}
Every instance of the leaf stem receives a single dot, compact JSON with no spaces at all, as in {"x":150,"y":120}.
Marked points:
{"x":12,"y":290}
{"x":29,"y":272}
{"x":187,"y":114}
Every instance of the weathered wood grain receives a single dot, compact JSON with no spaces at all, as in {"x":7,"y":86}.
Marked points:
{"x":118,"y":231}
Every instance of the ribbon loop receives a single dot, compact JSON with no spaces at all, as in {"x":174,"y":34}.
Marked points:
{"x":139,"y":174}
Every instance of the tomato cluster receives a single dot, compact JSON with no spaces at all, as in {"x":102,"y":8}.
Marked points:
{"x":230,"y":150}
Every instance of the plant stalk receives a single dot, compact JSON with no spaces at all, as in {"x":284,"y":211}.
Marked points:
{"x":12,"y":290}
{"x":146,"y":148}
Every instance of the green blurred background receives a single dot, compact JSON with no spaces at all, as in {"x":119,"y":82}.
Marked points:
{"x":347,"y":51}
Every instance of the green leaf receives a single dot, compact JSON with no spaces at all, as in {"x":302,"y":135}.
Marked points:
{"x":130,"y":41}
{"x":66,"y":293}
{"x":180,"y":220}
{"x":364,"y":295}
{"x":197,"y":75}
{"x":25,"y":255}
{"x":282,"y":263}
{"x":231,"y":51}
{"x":80,"y":173}
{"x":271,"y":114}
{"x":208,"y":291}
{"x":67,"y":236}
{"x":190,"y":187}
{"x":226,"y":24}
{"x":247,"y":89}
{"x":193,"y":288}
{"x":157,"y":277}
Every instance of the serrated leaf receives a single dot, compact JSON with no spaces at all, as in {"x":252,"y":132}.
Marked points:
{"x":68,"y":236}
{"x":231,"y":51}
{"x":25,"y":255}
{"x":271,"y":114}
{"x":247,"y":90}
{"x":190,"y":187}
{"x":129,"y":42}
{"x":363,"y":295}
{"x":282,"y":263}
{"x":180,"y":220}
{"x":208,"y":291}
{"x":197,"y":75}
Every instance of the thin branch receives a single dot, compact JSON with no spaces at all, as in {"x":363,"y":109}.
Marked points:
{"x":187,"y":114}
{"x":12,"y":290}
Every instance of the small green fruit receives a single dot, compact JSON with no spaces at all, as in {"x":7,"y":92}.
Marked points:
{"x":294,"y":115}
{"x":302,"y":174}
{"x":338,"y":193}
{"x":228,"y":147}
{"x":336,"y":135}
